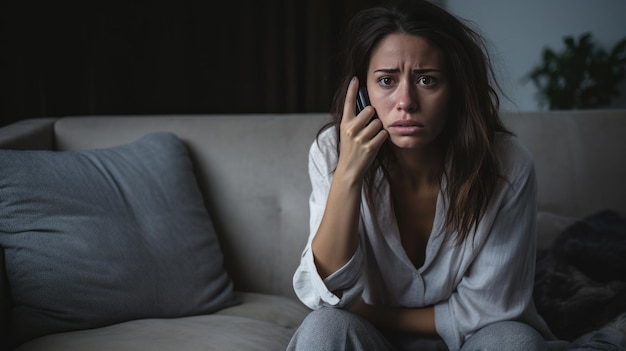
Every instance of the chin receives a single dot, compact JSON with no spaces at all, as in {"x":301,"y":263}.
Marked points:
{"x":409,"y":143}
{"x":409,"y":147}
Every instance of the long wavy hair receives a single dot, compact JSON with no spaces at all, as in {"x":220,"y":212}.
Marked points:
{"x":466,"y":146}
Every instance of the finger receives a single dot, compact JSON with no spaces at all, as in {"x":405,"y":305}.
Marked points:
{"x":367,"y":115}
{"x":377,"y":141}
{"x":349,"y":105}
{"x":380,"y":138}
{"x":372,"y":128}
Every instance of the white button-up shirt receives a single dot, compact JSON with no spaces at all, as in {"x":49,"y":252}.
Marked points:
{"x":487,"y":278}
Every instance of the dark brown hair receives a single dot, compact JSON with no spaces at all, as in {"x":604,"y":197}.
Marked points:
{"x":466,"y":143}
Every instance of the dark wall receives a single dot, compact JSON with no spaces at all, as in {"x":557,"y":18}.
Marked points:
{"x":62,"y":58}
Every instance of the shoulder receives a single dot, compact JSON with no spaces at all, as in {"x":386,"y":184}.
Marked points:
{"x":323,"y":152}
{"x":325,"y":143}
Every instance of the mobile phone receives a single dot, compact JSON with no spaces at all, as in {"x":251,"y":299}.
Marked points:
{"x":362,"y":99}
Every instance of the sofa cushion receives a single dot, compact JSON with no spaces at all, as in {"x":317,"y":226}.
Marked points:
{"x":101,"y":236}
{"x":261,"y":322}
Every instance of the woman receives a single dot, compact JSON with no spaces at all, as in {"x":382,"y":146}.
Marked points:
{"x":423,"y":204}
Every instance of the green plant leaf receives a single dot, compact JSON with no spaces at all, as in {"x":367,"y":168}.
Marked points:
{"x":582,"y":75}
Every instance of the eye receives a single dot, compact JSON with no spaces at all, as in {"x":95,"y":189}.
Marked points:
{"x":426,"y":81}
{"x":385,"y":81}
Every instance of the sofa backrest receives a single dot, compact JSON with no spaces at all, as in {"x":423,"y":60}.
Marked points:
{"x":253,"y":172}
{"x":580,"y":158}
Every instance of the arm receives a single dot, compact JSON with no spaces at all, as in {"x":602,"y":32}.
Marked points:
{"x":498,"y":283}
{"x":331,"y":262}
{"x":336,"y":239}
{"x":412,"y":320}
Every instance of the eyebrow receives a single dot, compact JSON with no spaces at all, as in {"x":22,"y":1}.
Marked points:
{"x":418,"y":71}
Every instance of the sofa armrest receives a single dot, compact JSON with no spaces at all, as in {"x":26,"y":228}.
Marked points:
{"x":28,"y":134}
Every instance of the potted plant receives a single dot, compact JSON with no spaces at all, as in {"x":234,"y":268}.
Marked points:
{"x":581,"y":76}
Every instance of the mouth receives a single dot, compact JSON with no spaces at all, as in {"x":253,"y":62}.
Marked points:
{"x":406,"y":123}
{"x":405,"y":127}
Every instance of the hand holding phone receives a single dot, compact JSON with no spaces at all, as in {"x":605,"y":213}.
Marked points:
{"x":361,"y":133}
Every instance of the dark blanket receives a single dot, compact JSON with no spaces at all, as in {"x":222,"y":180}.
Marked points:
{"x":580,"y":283}
{"x":611,"y":337}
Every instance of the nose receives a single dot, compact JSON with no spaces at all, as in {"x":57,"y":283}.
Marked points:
{"x":407,"y":98}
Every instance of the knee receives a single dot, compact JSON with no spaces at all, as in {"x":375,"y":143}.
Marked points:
{"x":329,"y":320}
{"x":326,"y":325}
{"x":336,"y":329}
{"x":507,"y":335}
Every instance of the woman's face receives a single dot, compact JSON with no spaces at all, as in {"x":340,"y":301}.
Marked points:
{"x":407,"y":85}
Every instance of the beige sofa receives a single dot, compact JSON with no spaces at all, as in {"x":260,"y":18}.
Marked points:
{"x":252,"y":171}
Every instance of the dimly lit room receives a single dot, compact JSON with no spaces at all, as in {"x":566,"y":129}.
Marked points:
{"x":313,"y":175}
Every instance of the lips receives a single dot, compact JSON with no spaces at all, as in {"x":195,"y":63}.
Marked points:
{"x":406,"y":123}
{"x":405,"y":127}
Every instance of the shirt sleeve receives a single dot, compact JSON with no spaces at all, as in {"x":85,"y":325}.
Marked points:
{"x":310,"y":288}
{"x":499,"y":282}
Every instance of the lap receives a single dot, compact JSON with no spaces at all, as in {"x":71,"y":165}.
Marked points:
{"x":336,"y":329}
{"x":506,"y":336}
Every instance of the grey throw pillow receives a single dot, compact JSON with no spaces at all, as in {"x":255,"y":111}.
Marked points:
{"x":102,"y":236}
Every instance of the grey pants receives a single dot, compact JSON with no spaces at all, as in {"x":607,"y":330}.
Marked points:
{"x":335,"y":329}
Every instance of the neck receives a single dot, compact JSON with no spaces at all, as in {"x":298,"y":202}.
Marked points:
{"x":420,"y":168}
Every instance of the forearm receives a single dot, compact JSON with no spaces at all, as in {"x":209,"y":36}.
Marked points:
{"x":337,"y":236}
{"x":412,"y":320}
{"x":361,"y":136}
